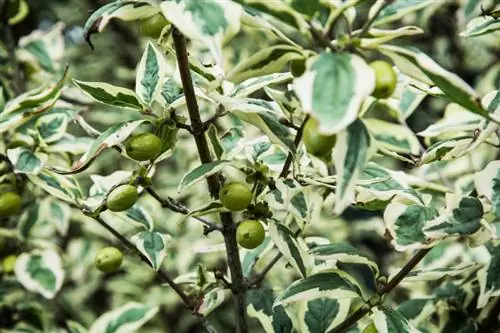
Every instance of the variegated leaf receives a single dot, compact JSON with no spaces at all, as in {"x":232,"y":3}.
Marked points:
{"x":333,"y":89}
{"x":322,"y":315}
{"x":333,"y":284}
{"x":26,"y":161}
{"x":62,"y":187}
{"x":343,"y":252}
{"x":396,"y":9}
{"x":489,"y":279}
{"x":126,"y":319}
{"x":209,"y":21}
{"x":153,"y":245}
{"x":292,"y":250}
{"x":479,"y":26}
{"x":260,"y":306}
{"x":267,"y":61}
{"x":113,"y":136}
{"x":353,"y":149}
{"x":109,"y":94}
{"x":126,"y":10}
{"x":387,"y":320}
{"x":150,"y":78}
{"x":487,"y":184}
{"x":201,"y":172}
{"x":212,"y":300}
{"x":419,"y":65}
{"x":40,"y":272}
{"x":252,"y":85}
{"x":394,"y":137}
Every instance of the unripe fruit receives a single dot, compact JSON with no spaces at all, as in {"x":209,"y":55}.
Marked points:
{"x":153,"y":25}
{"x":108,"y":259}
{"x":10,"y":204}
{"x":250,"y":234}
{"x":385,"y":79}
{"x":235,"y":196}
{"x":143,"y":147}
{"x":297,"y":67}
{"x":122,"y":198}
{"x":9,"y":263}
{"x":317,"y":144}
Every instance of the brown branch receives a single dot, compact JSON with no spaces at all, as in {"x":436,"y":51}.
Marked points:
{"x":214,"y":182}
{"x":387,"y":288}
{"x":161,"y":273}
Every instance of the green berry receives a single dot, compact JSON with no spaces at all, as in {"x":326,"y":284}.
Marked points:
{"x":143,"y":147}
{"x":10,"y":204}
{"x":108,"y":259}
{"x":153,"y":25}
{"x":122,"y":198}
{"x":250,"y":234}
{"x":385,"y":79}
{"x":235,"y":196}
{"x":370,"y":329}
{"x":9,"y":263}
{"x":317,"y":144}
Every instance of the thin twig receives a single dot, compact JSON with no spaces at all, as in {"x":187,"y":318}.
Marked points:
{"x":214,"y":182}
{"x":177,"y":207}
{"x":161,"y":273}
{"x":385,"y":289}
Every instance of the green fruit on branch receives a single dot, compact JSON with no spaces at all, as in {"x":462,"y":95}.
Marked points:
{"x":385,"y":79}
{"x":10,"y":204}
{"x":153,"y":25}
{"x":235,"y":196}
{"x":317,"y":144}
{"x":250,"y":234}
{"x":143,"y":147}
{"x":108,"y":259}
{"x":9,"y":263}
{"x":122,"y":198}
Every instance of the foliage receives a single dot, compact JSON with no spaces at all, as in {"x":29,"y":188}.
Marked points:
{"x":394,"y":227}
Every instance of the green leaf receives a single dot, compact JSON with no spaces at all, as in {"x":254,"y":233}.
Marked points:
{"x":153,"y":245}
{"x":416,"y":310}
{"x":352,"y":151}
{"x":126,"y":319}
{"x":28,"y":220}
{"x":333,"y":284}
{"x":214,"y":140}
{"x":479,"y":26}
{"x":62,"y":187}
{"x":113,"y":136}
{"x":396,"y":10}
{"x":307,"y":7}
{"x":40,"y":272}
{"x":455,"y":120}
{"x":287,"y":244}
{"x":126,"y":10}
{"x":57,"y":213}
{"x":379,"y":36}
{"x":397,"y":138}
{"x":387,"y":320}
{"x":210,"y":22}
{"x":455,"y":89}
{"x":170,"y":92}
{"x":333,"y":88}
{"x":109,"y":94}
{"x":150,"y":78}
{"x":267,"y":61}
{"x":201,"y":172}
{"x":446,"y":150}
{"x":322,"y":315}
{"x":343,"y":252}
{"x":26,"y":161}
{"x":212,"y":300}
